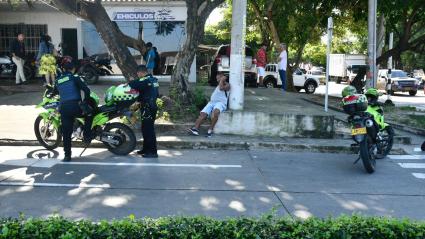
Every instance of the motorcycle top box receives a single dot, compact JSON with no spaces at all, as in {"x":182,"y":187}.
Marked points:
{"x":354,"y":103}
{"x":121,"y":95}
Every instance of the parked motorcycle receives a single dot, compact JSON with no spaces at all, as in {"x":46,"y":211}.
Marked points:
{"x":372,"y":135}
{"x":116,"y":136}
{"x":94,"y":66}
{"x":8,"y":68}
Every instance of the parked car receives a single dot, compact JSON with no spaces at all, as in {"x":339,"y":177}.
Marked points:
{"x":308,"y":82}
{"x":400,"y":82}
{"x":8,"y":68}
{"x":221,"y":63}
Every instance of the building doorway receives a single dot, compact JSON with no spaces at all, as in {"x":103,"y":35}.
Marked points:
{"x":70,"y":42}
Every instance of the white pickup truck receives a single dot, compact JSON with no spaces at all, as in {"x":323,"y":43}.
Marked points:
{"x":308,"y":82}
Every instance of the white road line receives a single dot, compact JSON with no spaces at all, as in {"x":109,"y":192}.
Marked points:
{"x":419,"y":175}
{"x":412,"y":165}
{"x":417,"y":150}
{"x":406,"y":157}
{"x":67,"y":185}
{"x":214,"y":166}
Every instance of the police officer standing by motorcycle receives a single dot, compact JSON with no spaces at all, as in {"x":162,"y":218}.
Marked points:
{"x":147,"y":85}
{"x":69,"y":87}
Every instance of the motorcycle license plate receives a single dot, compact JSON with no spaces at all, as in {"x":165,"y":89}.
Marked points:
{"x":358,"y":131}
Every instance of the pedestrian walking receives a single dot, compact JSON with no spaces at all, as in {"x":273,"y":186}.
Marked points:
{"x":17,"y":49}
{"x":150,"y":58}
{"x":46,"y":59}
{"x":261,"y":63}
{"x":147,"y":85}
{"x":283,"y":63}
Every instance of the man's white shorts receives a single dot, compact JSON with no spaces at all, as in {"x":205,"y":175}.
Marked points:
{"x":211,"y":106}
{"x":261,"y":71}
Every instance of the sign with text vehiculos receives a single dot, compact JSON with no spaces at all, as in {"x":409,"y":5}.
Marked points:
{"x":147,"y":15}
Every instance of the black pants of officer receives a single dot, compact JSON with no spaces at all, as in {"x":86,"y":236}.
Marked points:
{"x":69,"y":111}
{"x":148,"y":131}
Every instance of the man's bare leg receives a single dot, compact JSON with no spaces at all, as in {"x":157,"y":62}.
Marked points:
{"x":214,"y":119}
{"x":202,"y":117}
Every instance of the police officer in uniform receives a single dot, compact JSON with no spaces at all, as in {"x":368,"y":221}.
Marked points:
{"x":147,"y":85}
{"x":69,"y":87}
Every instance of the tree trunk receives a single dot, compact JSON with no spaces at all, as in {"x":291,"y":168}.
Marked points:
{"x":113,"y":38}
{"x":108,"y":30}
{"x":197,"y":14}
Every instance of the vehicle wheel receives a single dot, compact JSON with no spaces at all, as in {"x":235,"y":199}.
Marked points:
{"x":269,"y":83}
{"x":46,"y":134}
{"x":89,"y":75}
{"x":297,"y":88}
{"x":413,"y":92}
{"x":387,"y":141}
{"x":423,"y":146}
{"x":367,"y":154}
{"x":29,"y":73}
{"x":338,"y":80}
{"x":126,"y":138}
{"x":310,"y":88}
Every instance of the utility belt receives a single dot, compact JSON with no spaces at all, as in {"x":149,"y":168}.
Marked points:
{"x":148,"y":110}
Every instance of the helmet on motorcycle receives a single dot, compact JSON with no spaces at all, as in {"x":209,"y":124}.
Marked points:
{"x":349,"y":90}
{"x":372,"y":95}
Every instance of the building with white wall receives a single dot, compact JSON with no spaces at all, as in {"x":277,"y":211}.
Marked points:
{"x":159,"y":22}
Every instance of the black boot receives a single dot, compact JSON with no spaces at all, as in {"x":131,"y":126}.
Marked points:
{"x":67,"y":158}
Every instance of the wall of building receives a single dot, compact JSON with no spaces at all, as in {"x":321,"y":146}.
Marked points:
{"x":55,"y":21}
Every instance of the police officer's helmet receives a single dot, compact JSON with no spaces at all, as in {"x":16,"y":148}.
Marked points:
{"x":372,"y":95}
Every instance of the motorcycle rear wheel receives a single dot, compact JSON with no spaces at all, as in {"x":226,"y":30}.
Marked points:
{"x":367,"y":155}
{"x":46,"y":134}
{"x":127,"y":139}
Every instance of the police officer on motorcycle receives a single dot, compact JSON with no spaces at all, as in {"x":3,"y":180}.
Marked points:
{"x":69,"y":87}
{"x":147,"y":85}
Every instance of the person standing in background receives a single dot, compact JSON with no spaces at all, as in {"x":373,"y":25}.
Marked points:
{"x":150,"y":58}
{"x":46,"y":59}
{"x":17,"y":49}
{"x":261,"y":63}
{"x":283,"y":63}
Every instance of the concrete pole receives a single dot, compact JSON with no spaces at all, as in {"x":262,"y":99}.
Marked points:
{"x":237,"y":55}
{"x":328,"y":53}
{"x":371,"y":19}
{"x":390,"y":46}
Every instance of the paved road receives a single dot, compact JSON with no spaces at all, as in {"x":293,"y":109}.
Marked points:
{"x":207,"y":182}
{"x":400,"y":99}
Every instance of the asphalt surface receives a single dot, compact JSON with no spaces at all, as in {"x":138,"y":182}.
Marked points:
{"x":100,"y":185}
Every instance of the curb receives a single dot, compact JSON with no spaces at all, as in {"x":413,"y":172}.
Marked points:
{"x":408,"y":129}
{"x":229,"y":145}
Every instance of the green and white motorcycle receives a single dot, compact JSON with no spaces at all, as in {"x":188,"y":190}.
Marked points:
{"x":371,"y":134}
{"x":107,"y":125}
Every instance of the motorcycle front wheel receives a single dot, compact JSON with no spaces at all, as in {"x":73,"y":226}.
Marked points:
{"x":124,"y":135}
{"x":46,"y":134}
{"x":367,"y":154}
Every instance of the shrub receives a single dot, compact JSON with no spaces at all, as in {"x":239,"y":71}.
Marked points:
{"x":267,"y":226}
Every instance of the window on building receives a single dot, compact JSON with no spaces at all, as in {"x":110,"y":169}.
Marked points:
{"x":32,"y":32}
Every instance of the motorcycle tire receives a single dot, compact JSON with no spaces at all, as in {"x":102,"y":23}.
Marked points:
{"x":367,"y":155}
{"x":48,"y":144}
{"x":390,"y":141}
{"x":128,"y":143}
{"x":89,"y":74}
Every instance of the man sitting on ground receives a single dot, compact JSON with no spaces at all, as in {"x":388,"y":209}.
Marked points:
{"x":217,"y":104}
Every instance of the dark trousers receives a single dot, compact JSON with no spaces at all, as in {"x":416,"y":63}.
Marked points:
{"x":148,"y":131}
{"x":69,"y":111}
{"x":282,"y":75}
